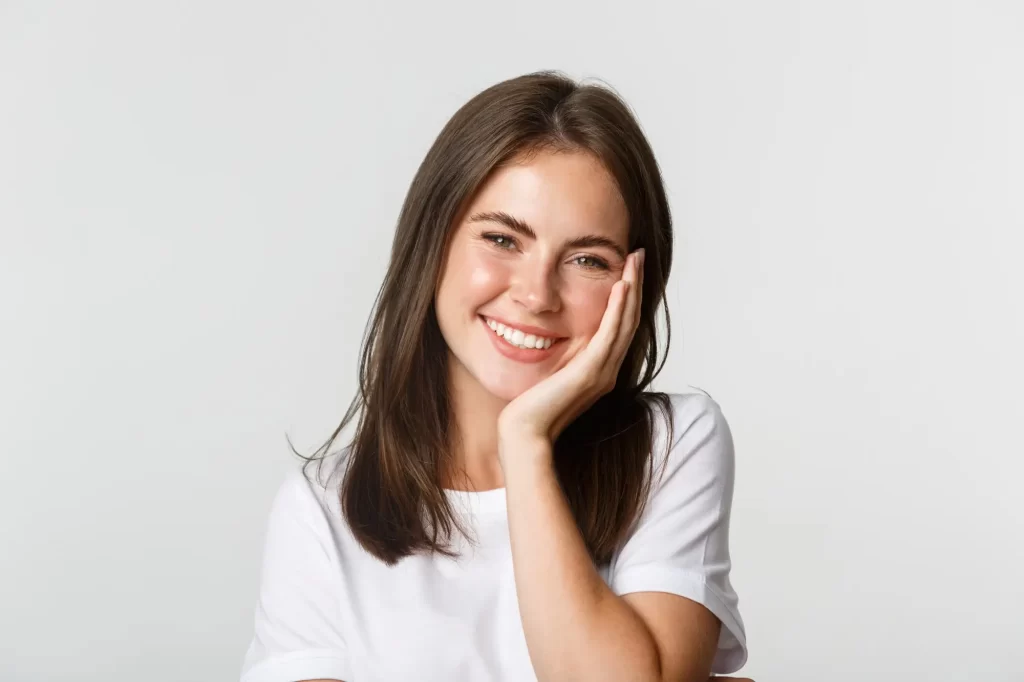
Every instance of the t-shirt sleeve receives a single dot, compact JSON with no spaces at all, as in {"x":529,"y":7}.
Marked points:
{"x":298,"y":633}
{"x":680,"y":544}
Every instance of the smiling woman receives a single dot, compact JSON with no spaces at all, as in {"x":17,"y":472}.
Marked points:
{"x":515,"y":503}
{"x":545,"y":241}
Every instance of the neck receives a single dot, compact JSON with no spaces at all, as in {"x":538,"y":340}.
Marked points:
{"x":475,"y":440}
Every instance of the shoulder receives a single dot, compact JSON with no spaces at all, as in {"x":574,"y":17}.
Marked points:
{"x":686,"y":412}
{"x":693,"y":434}
{"x":313,"y":489}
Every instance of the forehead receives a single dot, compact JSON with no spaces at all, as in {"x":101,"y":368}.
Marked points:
{"x":560,"y":194}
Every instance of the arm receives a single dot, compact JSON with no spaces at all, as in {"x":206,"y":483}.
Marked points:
{"x":576,"y":627}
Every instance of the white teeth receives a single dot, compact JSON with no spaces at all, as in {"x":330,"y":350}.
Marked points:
{"x":518,"y":338}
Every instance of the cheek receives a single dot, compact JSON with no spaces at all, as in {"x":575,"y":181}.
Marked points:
{"x":586,"y":301}
{"x":481,"y":278}
{"x":471,"y":279}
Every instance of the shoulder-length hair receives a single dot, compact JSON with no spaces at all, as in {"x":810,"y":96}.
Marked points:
{"x":392,"y":493}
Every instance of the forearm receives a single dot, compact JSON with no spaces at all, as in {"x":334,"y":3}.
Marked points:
{"x":576,"y":627}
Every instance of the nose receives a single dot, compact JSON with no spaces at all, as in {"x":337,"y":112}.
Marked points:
{"x":534,"y":286}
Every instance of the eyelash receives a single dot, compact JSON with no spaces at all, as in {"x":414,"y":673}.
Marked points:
{"x":493,"y":237}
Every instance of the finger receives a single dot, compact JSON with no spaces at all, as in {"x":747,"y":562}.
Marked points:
{"x":643,"y":271}
{"x":638,"y":296}
{"x":639,"y":289}
{"x":631,"y":314}
{"x":603,"y":341}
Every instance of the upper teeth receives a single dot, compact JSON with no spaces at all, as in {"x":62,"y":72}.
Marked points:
{"x":518,"y":338}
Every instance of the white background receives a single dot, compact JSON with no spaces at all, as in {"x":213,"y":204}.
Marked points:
{"x":197,"y":201}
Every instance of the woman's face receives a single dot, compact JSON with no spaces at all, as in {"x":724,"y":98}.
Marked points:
{"x":534,"y":260}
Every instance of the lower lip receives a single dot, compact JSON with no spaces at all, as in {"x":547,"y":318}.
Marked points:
{"x":516,"y":353}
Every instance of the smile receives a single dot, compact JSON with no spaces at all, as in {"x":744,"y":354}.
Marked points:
{"x":519,"y":338}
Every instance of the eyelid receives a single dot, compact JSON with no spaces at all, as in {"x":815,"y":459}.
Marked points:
{"x":599,"y":263}
{"x":489,"y":237}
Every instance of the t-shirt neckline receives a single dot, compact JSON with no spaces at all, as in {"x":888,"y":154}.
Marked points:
{"x":478,"y":501}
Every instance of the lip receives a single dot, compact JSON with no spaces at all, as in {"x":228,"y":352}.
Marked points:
{"x":524,"y":328}
{"x":527,"y":355}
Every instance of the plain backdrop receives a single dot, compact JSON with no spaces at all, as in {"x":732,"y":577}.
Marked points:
{"x":197,"y":201}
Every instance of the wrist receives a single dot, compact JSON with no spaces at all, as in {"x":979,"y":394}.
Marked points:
{"x":521,"y":452}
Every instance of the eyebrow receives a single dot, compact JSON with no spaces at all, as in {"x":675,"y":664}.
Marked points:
{"x":523,"y":228}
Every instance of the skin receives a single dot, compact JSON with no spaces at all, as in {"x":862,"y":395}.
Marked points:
{"x":509,"y":413}
{"x":494,"y":271}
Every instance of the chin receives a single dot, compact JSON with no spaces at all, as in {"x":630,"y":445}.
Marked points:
{"x":506,"y":390}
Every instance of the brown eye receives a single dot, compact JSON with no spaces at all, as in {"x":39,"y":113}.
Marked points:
{"x":502,"y":241}
{"x":590,"y":263}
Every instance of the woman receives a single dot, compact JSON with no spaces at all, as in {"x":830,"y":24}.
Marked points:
{"x":514,"y":504}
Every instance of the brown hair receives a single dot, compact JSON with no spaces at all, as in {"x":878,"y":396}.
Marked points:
{"x":392,"y":494}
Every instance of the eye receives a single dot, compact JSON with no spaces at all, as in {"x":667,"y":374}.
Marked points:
{"x":590,"y":262}
{"x":502,"y":241}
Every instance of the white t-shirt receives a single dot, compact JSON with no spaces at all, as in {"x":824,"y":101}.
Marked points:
{"x":329,"y":609}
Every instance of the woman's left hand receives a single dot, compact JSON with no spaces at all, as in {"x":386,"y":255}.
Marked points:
{"x":545,"y":409}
